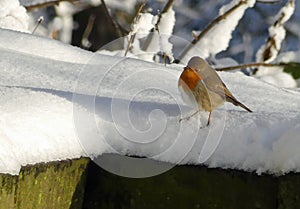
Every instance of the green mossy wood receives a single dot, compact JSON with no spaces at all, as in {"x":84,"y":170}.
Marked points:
{"x":55,"y":185}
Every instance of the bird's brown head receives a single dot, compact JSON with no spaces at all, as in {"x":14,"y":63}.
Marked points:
{"x":198,"y":64}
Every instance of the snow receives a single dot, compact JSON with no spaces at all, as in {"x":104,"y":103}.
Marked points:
{"x":13,"y":16}
{"x":276,"y":33}
{"x":218,"y":37}
{"x":140,"y":29}
{"x":46,"y":48}
{"x":225,"y":8}
{"x":165,"y":27}
{"x":64,"y":19}
{"x":277,"y":77}
{"x":36,"y":127}
{"x":142,"y":25}
{"x":128,"y":106}
{"x":148,"y":37}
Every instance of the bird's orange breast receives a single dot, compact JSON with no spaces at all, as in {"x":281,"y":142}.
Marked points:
{"x":189,"y":78}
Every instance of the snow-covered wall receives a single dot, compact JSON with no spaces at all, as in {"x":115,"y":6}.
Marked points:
{"x":59,"y":102}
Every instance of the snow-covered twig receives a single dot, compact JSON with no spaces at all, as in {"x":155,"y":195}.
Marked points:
{"x":167,"y":7}
{"x":135,"y":26}
{"x":269,"y":51}
{"x":216,"y":36}
{"x":13,"y":16}
{"x":163,"y":28}
{"x":217,"y":20}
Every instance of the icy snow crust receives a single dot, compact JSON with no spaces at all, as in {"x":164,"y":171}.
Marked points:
{"x":41,"y":121}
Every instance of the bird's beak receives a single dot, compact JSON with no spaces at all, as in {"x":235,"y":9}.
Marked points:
{"x":187,"y":68}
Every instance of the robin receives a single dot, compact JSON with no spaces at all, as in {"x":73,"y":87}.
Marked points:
{"x":199,"y":83}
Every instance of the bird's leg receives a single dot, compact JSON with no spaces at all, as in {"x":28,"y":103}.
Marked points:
{"x":208,"y":121}
{"x":189,"y":116}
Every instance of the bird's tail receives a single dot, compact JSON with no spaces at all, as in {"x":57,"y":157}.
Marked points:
{"x":237,"y":103}
{"x":244,"y":106}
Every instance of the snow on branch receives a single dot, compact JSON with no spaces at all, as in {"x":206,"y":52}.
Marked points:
{"x":269,"y":51}
{"x":216,"y":36}
{"x":13,"y":16}
{"x":165,"y":26}
{"x":158,"y":40}
{"x":142,"y":23}
{"x":157,"y":29}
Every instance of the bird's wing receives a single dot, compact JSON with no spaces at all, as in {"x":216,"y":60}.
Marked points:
{"x":215,"y":84}
{"x":221,"y":89}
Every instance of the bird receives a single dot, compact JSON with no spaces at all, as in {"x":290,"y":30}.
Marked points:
{"x":200,"y":85}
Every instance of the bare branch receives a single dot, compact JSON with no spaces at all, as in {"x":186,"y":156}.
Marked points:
{"x":209,"y":27}
{"x":269,"y":51}
{"x":250,"y":65}
{"x":136,"y":18}
{"x":85,"y":37}
{"x":217,"y":20}
{"x":168,"y":6}
{"x":132,"y":37}
{"x":165,"y":10}
{"x":268,"y":1}
{"x":150,"y":36}
{"x":40,"y":20}
{"x":112,"y":20}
